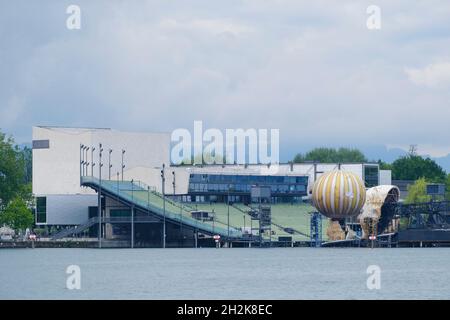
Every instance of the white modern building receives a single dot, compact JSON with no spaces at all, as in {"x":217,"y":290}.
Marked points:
{"x":62,"y":155}
{"x":56,"y":166}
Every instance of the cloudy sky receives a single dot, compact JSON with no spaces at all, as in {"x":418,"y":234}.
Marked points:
{"x":310,"y":68}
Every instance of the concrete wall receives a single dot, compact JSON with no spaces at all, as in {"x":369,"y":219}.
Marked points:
{"x":69,"y":209}
{"x":385,"y":177}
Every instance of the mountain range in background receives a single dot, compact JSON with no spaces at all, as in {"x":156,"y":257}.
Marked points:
{"x":372,"y":153}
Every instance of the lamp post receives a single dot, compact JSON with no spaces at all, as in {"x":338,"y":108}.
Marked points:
{"x":118,"y":190}
{"x":173,"y":184}
{"x":163,"y":182}
{"x":81,"y":161}
{"x":214,"y":221}
{"x":251,"y":230}
{"x":123,"y":166}
{"x":148,"y":199}
{"x":92,"y":160}
{"x":244,"y":224}
{"x":100,"y":164}
{"x":132,"y":214}
{"x":228,"y":215}
{"x":87,"y":162}
{"x":109,"y":164}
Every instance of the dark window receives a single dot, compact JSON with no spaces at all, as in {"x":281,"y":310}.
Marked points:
{"x":41,"y":210}
{"x":371,"y":176}
{"x":41,"y":144}
{"x":120,"y":212}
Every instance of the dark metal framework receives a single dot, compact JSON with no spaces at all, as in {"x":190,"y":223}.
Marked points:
{"x":427,"y":215}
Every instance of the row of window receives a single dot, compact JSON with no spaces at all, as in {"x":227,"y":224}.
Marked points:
{"x":214,"y":187}
{"x":246,"y":179}
{"x":238,"y":199}
{"x":243,"y":183}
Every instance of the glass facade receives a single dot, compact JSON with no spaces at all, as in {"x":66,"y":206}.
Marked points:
{"x":241,"y":184}
{"x":41,"y":209}
{"x":371,"y":176}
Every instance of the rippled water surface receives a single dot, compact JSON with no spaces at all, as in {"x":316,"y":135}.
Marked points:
{"x":277,"y":273}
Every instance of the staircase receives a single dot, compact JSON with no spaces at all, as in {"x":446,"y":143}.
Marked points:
{"x":75,"y":229}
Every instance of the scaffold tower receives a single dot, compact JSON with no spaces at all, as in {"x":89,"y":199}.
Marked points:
{"x":315,"y":229}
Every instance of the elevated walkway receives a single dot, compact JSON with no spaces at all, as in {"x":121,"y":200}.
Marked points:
{"x":145,"y":199}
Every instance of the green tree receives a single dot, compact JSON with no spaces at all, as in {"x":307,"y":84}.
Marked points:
{"x":447,"y":187}
{"x":413,"y":167}
{"x":331,"y":155}
{"x":12,"y":170}
{"x":384,"y":165}
{"x":417,"y":192}
{"x":26,"y":156}
{"x":17,"y":215}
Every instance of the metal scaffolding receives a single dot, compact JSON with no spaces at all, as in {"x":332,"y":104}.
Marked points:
{"x":315,"y":230}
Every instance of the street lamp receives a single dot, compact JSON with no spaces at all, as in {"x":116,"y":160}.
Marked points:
{"x":148,"y":199}
{"x":100,"y":164}
{"x":173,"y":184}
{"x":81,"y":160}
{"x":109,"y":164}
{"x":163,"y":182}
{"x":86,"y":162}
{"x":228,"y":215}
{"x":123,"y":166}
{"x":92,"y":160}
{"x":132,"y":213}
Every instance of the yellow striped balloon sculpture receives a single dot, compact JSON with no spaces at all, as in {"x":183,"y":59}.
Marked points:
{"x":339,"y":194}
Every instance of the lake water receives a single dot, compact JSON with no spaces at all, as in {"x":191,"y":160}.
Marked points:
{"x":277,"y":273}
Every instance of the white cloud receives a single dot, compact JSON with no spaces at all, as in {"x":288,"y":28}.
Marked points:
{"x":12,"y":111}
{"x":436,"y":74}
{"x":213,"y":26}
{"x":311,"y":69}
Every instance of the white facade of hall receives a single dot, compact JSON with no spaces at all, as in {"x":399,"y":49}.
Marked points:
{"x":56,"y":167}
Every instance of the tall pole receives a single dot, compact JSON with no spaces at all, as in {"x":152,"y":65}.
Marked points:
{"x":163,"y":182}
{"x":148,"y":199}
{"x":109,"y":164}
{"x":132,"y":215}
{"x":173,"y":184}
{"x":87,"y":162}
{"x":214,"y":219}
{"x":118,"y":190}
{"x":228,"y":215}
{"x":251,"y":229}
{"x":81,"y":162}
{"x":123,"y":166}
{"x":181,"y":224}
{"x":100,"y":164}
{"x":92,"y":160}
{"x":82,"y":159}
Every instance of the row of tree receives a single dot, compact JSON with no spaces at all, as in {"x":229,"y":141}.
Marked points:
{"x":16,"y":198}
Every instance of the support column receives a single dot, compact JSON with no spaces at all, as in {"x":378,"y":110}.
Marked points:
{"x":132,"y":227}
{"x":195,"y":238}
